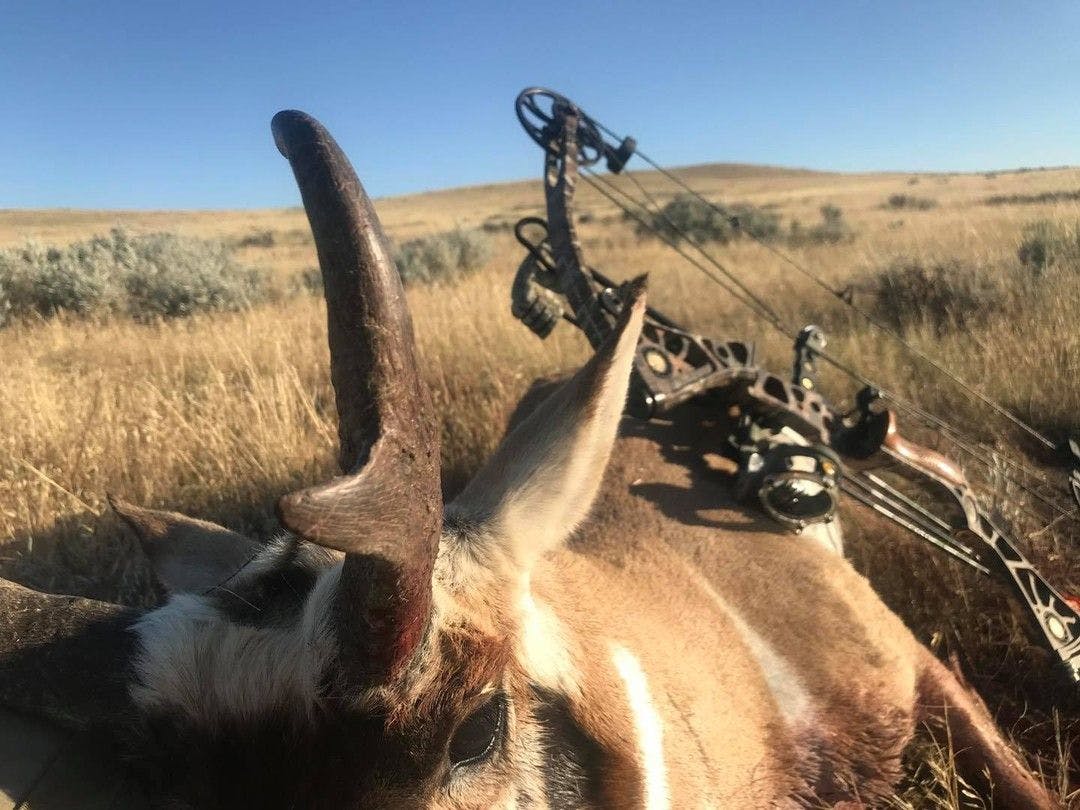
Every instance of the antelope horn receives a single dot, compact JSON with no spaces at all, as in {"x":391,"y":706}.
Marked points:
{"x":385,"y":512}
{"x":64,"y":657}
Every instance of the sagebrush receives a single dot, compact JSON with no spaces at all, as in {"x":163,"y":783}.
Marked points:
{"x":1046,"y":245}
{"x":144,"y":276}
{"x":832,"y":230}
{"x":442,"y":257}
{"x":945,"y":294}
{"x":900,"y":202}
{"x":1034,"y":199}
{"x":956,"y":293}
{"x":688,"y":217}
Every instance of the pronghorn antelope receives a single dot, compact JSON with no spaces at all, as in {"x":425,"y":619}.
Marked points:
{"x":572,"y":630}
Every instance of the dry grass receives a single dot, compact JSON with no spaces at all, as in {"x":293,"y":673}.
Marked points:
{"x":216,"y":415}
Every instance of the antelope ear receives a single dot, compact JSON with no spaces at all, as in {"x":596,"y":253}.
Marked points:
{"x":186,"y":554}
{"x":541,"y":481}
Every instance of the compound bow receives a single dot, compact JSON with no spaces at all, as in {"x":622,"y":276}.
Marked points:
{"x":794,"y":449}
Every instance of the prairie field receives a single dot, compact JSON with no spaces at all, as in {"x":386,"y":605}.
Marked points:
{"x":219,"y":413}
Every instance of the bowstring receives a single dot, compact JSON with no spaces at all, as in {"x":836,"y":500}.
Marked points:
{"x":745,"y":295}
{"x":868,"y":317}
{"x":759,"y":307}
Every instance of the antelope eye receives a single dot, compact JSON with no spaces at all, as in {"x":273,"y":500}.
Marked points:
{"x":479,"y":735}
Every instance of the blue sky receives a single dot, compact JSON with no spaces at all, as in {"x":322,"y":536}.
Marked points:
{"x":167,"y":104}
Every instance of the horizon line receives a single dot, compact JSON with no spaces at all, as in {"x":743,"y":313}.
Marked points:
{"x":487,"y":184}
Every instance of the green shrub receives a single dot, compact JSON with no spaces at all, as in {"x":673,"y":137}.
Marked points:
{"x":309,"y":280}
{"x":946,"y":295}
{"x":909,"y":202}
{"x":756,"y":222}
{"x":689,"y":217}
{"x":258,"y":239}
{"x":1033,"y":199}
{"x":40,"y":280}
{"x":173,"y":276}
{"x":1045,"y":244}
{"x":144,"y":276}
{"x":832,"y":229}
{"x":496,"y":224}
{"x":442,"y":257}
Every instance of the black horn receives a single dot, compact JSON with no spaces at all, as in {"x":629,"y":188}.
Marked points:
{"x":65,"y":657}
{"x":385,"y":511}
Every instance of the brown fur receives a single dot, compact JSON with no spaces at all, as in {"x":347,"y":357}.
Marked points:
{"x":664,"y":532}
{"x":958,"y":716}
{"x":188,"y":554}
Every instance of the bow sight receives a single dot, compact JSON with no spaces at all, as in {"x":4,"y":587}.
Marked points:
{"x":794,"y":450}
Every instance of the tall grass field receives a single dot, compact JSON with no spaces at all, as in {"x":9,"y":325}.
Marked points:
{"x":179,"y":360}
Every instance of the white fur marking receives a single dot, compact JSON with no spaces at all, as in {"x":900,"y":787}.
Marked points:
{"x":542,"y":648}
{"x":784,"y":683}
{"x":792,"y":699}
{"x":649,"y":727}
{"x":193,"y":659}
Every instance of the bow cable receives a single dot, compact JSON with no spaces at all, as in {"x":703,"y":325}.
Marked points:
{"x":609,"y":190}
{"x":876,"y":323}
{"x":745,"y":297}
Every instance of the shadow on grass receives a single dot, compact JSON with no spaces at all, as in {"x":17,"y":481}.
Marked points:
{"x":90,"y":555}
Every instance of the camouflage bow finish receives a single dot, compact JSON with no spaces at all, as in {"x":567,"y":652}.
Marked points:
{"x":674,"y":365}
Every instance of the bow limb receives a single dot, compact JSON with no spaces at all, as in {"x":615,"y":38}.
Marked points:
{"x":1054,"y":616}
{"x":560,"y":182}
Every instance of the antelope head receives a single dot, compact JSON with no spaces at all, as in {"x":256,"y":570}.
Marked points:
{"x":386,"y":651}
